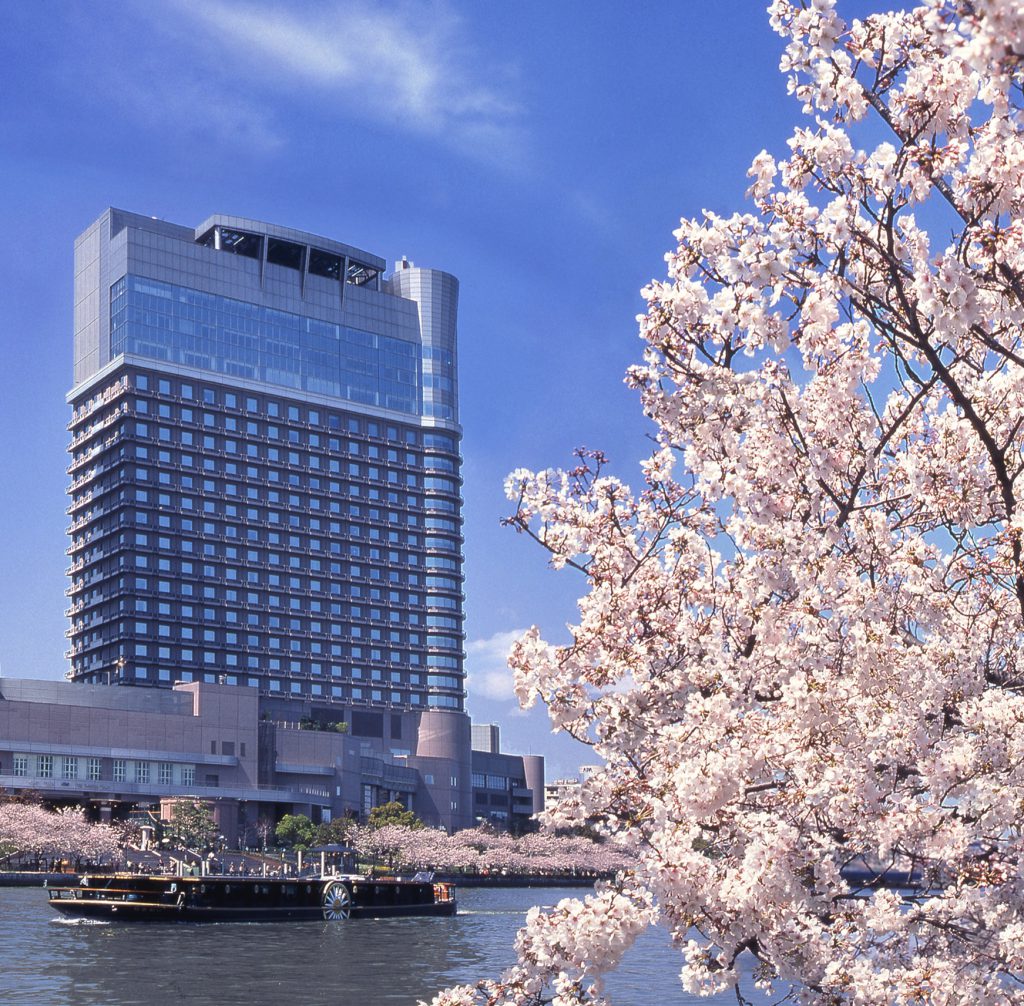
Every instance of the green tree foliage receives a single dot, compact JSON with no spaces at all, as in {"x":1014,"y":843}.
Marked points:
{"x":393,"y":813}
{"x":295,"y":830}
{"x":192,"y":824}
{"x":336,"y":832}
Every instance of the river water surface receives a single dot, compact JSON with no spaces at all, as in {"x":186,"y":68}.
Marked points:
{"x":49,"y":961}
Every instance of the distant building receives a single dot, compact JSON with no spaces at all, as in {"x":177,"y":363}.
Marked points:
{"x":508,"y":789}
{"x":560,"y":789}
{"x":486,"y":737}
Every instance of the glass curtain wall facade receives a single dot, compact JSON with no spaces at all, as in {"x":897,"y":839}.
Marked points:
{"x":265,"y":467}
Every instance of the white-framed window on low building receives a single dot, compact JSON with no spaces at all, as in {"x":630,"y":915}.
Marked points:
{"x":44,"y":767}
{"x":94,"y":769}
{"x":188,"y":775}
{"x":120,"y":770}
{"x":69,"y":767}
{"x":21,"y":764}
{"x":142,"y":771}
{"x":165,"y":773}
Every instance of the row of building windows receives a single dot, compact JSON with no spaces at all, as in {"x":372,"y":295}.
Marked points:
{"x":265,"y":478}
{"x":187,"y":503}
{"x":96,"y":595}
{"x":300,"y":562}
{"x":219,"y":620}
{"x":379,"y":520}
{"x":223,"y":402}
{"x":303,"y":467}
{"x":92,"y":769}
{"x":183,"y":417}
{"x":311,"y":648}
{"x":276,"y":686}
{"x":308,"y":465}
{"x":260,"y":545}
{"x":224,"y":627}
{"x":304,"y":622}
{"x":304,"y":514}
{"x":489,"y":781}
{"x":309,"y":459}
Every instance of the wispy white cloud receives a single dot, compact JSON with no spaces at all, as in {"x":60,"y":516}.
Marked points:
{"x":410,"y":67}
{"x":194,"y":110}
{"x":487,"y":664}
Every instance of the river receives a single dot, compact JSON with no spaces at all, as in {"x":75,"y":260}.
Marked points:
{"x":46,"y":960}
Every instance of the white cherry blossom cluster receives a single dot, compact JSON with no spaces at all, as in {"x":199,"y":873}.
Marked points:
{"x":31,"y":829}
{"x":484,"y":850}
{"x":799,"y":653}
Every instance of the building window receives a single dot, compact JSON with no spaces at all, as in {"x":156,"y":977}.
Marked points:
{"x":69,"y":768}
{"x":21,"y":764}
{"x":188,"y":775}
{"x":142,"y":771}
{"x":94,"y":769}
{"x":165,"y":774}
{"x":120,"y":770}
{"x":45,"y":766}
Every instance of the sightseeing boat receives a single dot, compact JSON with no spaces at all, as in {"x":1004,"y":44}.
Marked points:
{"x":125,"y":896}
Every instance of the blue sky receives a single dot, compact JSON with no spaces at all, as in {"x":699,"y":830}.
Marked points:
{"x":542,"y":152}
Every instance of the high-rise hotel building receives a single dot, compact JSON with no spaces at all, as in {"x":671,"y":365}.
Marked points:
{"x":265,"y":483}
{"x":265,"y":465}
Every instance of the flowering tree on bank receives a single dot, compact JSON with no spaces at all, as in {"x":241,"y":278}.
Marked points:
{"x":192,"y":824}
{"x":482,"y":850}
{"x":28,"y":829}
{"x":800,"y":642}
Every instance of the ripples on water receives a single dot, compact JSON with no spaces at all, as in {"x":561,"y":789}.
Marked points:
{"x":46,"y":960}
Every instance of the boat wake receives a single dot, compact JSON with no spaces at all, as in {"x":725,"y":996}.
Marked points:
{"x":63,"y":921}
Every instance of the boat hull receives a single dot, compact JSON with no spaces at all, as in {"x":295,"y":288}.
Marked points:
{"x":224,"y":899}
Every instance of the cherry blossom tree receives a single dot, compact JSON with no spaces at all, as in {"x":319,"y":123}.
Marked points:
{"x":481,"y":850}
{"x":28,"y":829}
{"x":192,"y":824}
{"x":799,"y":646}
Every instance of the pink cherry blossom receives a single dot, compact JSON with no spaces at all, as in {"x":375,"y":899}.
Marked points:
{"x":483,"y":850}
{"x":30,"y":829}
{"x":798,"y":650}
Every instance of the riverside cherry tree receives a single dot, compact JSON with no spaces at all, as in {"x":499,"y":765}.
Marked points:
{"x":30,"y":829}
{"x":800,"y":645}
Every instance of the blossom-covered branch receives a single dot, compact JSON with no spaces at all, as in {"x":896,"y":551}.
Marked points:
{"x":799,"y":649}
